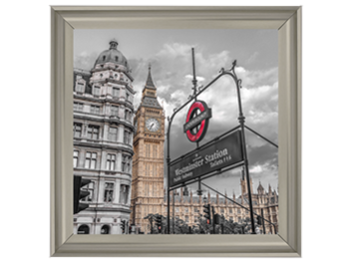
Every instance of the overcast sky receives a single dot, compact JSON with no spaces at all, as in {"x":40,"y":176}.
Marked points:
{"x":169,"y":53}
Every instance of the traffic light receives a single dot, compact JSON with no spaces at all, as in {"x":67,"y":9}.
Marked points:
{"x":159,"y":223}
{"x":217,"y":219}
{"x":206,"y":210}
{"x":123,"y":226}
{"x":260,"y":220}
{"x":79,"y":194}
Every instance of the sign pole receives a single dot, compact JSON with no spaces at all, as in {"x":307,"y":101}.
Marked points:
{"x":241,"y":120}
{"x":194,"y":81}
{"x":263,"y":221}
{"x":168,"y":171}
{"x":212,"y":220}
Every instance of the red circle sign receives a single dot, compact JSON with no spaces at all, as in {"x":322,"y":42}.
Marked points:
{"x":198,"y":115}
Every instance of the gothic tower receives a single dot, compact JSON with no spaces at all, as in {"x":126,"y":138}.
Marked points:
{"x":244,"y":184}
{"x":147,"y":193}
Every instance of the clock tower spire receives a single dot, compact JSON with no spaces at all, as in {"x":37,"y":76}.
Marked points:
{"x":149,"y":92}
{"x":147,"y":191}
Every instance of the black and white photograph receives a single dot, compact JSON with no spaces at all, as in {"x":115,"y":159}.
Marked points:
{"x":175,"y":131}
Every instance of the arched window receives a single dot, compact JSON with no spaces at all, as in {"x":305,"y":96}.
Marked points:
{"x":84,"y":229}
{"x":105,"y":230}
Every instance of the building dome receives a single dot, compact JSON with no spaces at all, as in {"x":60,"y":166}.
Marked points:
{"x":113,"y":55}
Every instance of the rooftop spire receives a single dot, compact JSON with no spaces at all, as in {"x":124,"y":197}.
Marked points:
{"x":149,"y":82}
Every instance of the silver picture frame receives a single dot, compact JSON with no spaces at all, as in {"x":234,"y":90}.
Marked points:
{"x":287,"y":20}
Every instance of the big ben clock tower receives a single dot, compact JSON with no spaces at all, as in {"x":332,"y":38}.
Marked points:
{"x":147,"y":190}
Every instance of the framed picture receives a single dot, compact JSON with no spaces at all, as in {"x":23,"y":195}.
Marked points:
{"x":176,"y":131}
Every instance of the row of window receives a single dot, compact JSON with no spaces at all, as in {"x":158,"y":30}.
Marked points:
{"x":84,"y":230}
{"x":151,"y":189}
{"x":154,"y":151}
{"x":95,"y":109}
{"x":93,"y":133}
{"x":222,"y":210}
{"x":116,"y":58}
{"x":90,"y":161}
{"x":115,"y":76}
{"x":108,"y":194}
{"x":96,"y":91}
{"x":151,"y":170}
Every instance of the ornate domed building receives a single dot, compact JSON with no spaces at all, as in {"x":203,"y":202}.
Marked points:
{"x":103,"y":134}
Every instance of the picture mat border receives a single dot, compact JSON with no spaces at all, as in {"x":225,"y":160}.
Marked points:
{"x":64,"y":19}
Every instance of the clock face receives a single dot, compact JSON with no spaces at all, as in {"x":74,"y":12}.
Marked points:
{"x":152,"y":124}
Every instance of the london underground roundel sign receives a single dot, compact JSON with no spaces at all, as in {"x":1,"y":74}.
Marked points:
{"x":197,"y":121}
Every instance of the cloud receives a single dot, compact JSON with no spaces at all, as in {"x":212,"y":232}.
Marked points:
{"x":171,"y":69}
{"x":252,"y":58}
{"x":85,"y":60}
{"x":254,"y":78}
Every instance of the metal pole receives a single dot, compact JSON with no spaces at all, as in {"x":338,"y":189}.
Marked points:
{"x":173,"y":213}
{"x":168,"y":171}
{"x":263,"y":221}
{"x":241,"y":120}
{"x":212,"y":220}
{"x":168,"y":196}
{"x":194,"y":81}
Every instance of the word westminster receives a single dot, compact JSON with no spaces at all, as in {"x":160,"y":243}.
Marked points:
{"x":208,"y":160}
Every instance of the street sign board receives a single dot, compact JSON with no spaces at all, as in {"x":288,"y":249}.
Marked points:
{"x":223,"y":152}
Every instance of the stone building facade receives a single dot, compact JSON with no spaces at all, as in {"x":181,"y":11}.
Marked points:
{"x":148,"y":193}
{"x":103,"y":134}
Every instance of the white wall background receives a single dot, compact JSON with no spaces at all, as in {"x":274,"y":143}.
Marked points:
{"x":25,"y":112}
